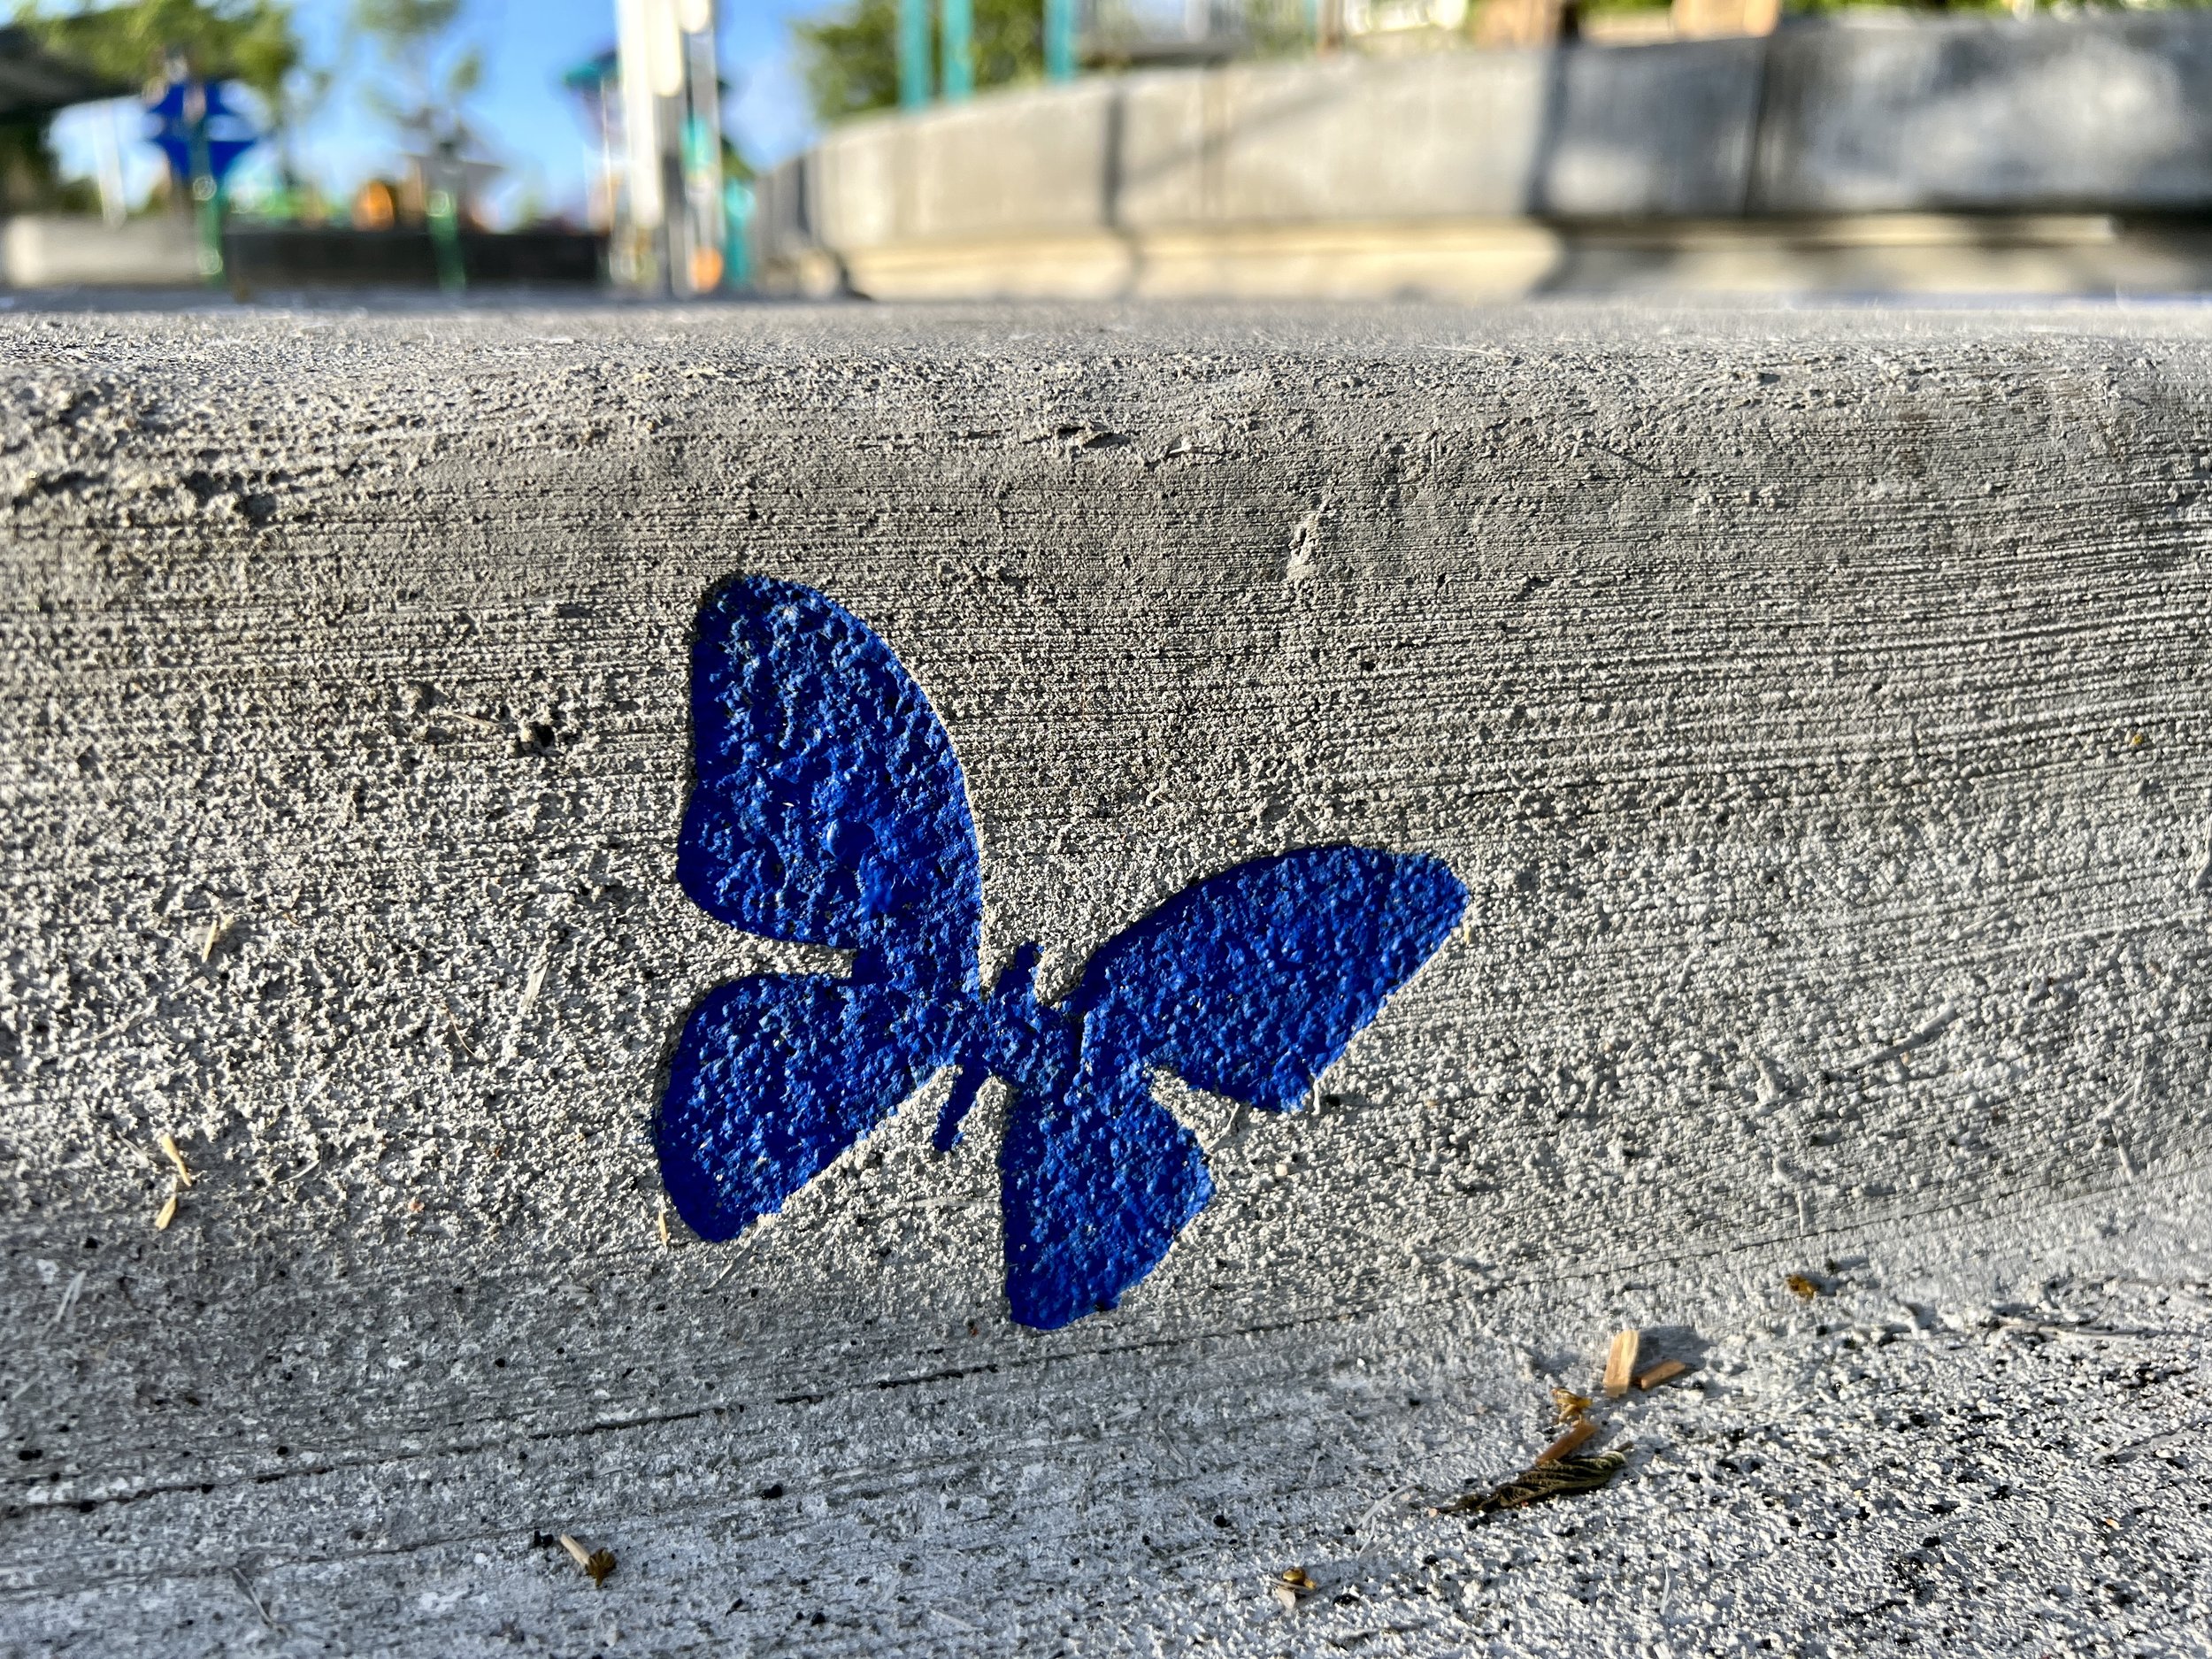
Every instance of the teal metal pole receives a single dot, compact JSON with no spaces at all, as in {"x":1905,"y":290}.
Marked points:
{"x":913,"y":53}
{"x":1059,"y":40}
{"x":956,"y":38}
{"x":443,"y":214}
{"x":207,"y":194}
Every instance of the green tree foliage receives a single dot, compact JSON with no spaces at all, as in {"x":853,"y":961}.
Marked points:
{"x":426,"y":79}
{"x":247,"y":40}
{"x":850,"y":57}
{"x":30,"y":182}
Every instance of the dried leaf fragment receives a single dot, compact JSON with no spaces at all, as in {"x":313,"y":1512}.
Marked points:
{"x":1544,"y":1480}
{"x":1569,"y":1404}
{"x":1665,"y":1371}
{"x":596,"y":1564}
{"x":1801,"y":1287}
{"x":1620,"y":1362}
{"x":1569,"y":1443}
{"x":167,"y":1143}
{"x":461,"y":1036}
{"x":167,"y":1213}
{"x":216,"y":928}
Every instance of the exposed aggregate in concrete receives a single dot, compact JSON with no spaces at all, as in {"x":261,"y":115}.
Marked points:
{"x":1815,"y":706}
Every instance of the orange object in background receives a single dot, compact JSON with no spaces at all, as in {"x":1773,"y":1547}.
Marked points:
{"x":1519,"y":22}
{"x":1540,"y":22}
{"x":706,"y":269}
{"x":1706,"y":19}
{"x":374,"y":207}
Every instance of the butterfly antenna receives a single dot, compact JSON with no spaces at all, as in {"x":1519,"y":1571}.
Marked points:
{"x":967,"y":1083}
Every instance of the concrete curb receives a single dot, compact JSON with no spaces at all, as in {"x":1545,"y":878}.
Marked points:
{"x":1812,"y":704}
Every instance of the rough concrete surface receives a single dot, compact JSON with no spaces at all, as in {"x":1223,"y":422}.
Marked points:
{"x":1813,"y":704}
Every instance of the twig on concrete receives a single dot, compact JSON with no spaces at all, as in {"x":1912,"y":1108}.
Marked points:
{"x":1665,"y":1371}
{"x":1903,"y":1047}
{"x":1572,"y":1441}
{"x":462,"y":1037}
{"x":596,"y":1564}
{"x":531,"y":986}
{"x":69,"y":1295}
{"x":239,"y":1577}
{"x":1620,"y":1362}
{"x":2153,"y":1442}
{"x":1368,"y":1515}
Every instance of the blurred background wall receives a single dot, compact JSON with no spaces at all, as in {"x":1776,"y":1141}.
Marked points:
{"x":1875,"y":151}
{"x":1072,"y":147}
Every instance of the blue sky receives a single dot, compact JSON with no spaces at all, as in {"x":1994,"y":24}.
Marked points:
{"x":533,"y":125}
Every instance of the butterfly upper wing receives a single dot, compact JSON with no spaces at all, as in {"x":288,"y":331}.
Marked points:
{"x":829,"y":807}
{"x":1250,"y":983}
{"x":774,"y":1077}
{"x":1095,"y":1182}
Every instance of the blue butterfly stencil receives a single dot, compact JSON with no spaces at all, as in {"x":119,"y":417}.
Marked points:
{"x":829,"y":811}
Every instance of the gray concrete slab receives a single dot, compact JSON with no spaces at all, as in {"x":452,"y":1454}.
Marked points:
{"x":1813,"y":703}
{"x":46,"y":250}
{"x":1900,"y":113}
{"x":1649,"y":132}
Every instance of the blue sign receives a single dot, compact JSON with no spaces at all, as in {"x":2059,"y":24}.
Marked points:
{"x":187,"y":109}
{"x":829,"y":810}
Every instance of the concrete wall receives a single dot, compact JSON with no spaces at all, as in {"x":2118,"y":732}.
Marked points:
{"x":1108,"y":182}
{"x":40,"y":250}
{"x":2113,"y":113}
{"x":1819,"y":709}
{"x":160,"y":251}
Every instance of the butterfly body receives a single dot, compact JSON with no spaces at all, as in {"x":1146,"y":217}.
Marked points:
{"x":829,"y":809}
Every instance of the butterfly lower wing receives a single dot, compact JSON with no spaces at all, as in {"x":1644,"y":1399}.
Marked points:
{"x":774,"y":1078}
{"x":1250,"y":983}
{"x":828,"y":806}
{"x":1095,"y":1184}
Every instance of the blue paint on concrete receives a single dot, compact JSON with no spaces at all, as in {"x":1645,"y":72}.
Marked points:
{"x":829,"y":810}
